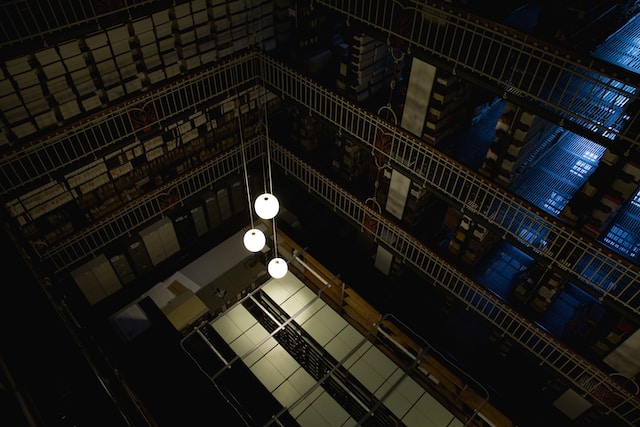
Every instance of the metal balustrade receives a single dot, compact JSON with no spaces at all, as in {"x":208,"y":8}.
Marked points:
{"x":456,"y":38}
{"x":515,"y":62}
{"x":600,"y":269}
{"x":86,"y":139}
{"x":519,"y":65}
{"x":93,"y":239}
{"x":434,"y":169}
{"x":483,"y":302}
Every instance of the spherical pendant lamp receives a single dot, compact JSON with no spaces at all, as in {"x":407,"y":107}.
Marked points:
{"x":267,"y":206}
{"x":277,"y":268}
{"x":254,"y":240}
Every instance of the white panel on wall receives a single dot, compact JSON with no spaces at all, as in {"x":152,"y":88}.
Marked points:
{"x":572,"y":404}
{"x":168,"y":236}
{"x":418,"y":94}
{"x":96,"y":279}
{"x":398,"y":191}
{"x":625,"y":359}
{"x":86,"y":281}
{"x":224,"y":203}
{"x":153,"y":244}
{"x":384,"y":259}
{"x":106,"y":275}
{"x":199,"y":218}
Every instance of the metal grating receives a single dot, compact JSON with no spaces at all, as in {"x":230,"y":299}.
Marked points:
{"x":563,"y":169}
{"x":513,"y":61}
{"x":624,"y":234}
{"x":562,"y":248}
{"x":93,"y":239}
{"x":546,"y":190}
{"x":623,"y":47}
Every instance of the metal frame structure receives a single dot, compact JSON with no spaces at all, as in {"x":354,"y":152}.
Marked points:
{"x":563,"y":248}
{"x":436,"y":30}
{"x":548,"y":350}
{"x":516,"y":64}
{"x":601,"y":270}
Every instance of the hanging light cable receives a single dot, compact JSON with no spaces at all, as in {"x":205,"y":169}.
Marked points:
{"x":267,"y":205}
{"x":254,"y":239}
{"x":270,"y":206}
{"x":277,"y":267}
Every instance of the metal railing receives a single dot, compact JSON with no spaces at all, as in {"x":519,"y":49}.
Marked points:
{"x":27,"y":20}
{"x":483,"y":302}
{"x":435,"y":169}
{"x":518,"y":65}
{"x":91,"y":138}
{"x":600,"y":269}
{"x":121,"y":224}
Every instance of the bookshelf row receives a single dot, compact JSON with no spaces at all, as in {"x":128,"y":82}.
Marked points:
{"x":54,"y":85}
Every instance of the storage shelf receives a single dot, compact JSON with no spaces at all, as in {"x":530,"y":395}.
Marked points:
{"x":167,"y":44}
{"x":464,"y":187}
{"x":541,"y":344}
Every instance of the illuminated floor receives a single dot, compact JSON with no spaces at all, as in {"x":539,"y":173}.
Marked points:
{"x":335,"y":375}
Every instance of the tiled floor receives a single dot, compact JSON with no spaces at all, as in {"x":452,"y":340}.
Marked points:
{"x":312,"y":397}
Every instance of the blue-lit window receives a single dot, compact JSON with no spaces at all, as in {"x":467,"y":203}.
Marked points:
{"x":527,"y":235}
{"x":636,"y":200}
{"x":555,"y":203}
{"x":616,"y":238}
{"x":580,"y":168}
{"x":590,"y":155}
{"x":622,"y":241}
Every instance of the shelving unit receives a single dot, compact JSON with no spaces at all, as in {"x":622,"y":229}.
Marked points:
{"x":538,"y":287}
{"x":471,"y":241}
{"x":51,"y":212}
{"x":521,"y":137}
{"x":448,"y":110}
{"x":352,"y":161}
{"x":562,"y":248}
{"x":365,"y":67}
{"x":416,"y":202}
{"x":96,"y":279}
{"x":183,"y":135}
{"x":55,"y":85}
{"x":559,"y":241}
{"x":305,"y":131}
{"x":614,"y":181}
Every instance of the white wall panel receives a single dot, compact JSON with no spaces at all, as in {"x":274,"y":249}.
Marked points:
{"x":418,"y":95}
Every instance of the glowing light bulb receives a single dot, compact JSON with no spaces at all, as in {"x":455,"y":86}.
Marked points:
{"x":267,"y":206}
{"x":277,"y":268}
{"x":254,"y":240}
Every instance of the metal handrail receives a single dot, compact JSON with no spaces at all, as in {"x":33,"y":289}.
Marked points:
{"x":519,"y":66}
{"x":546,"y":348}
{"x":601,"y":270}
